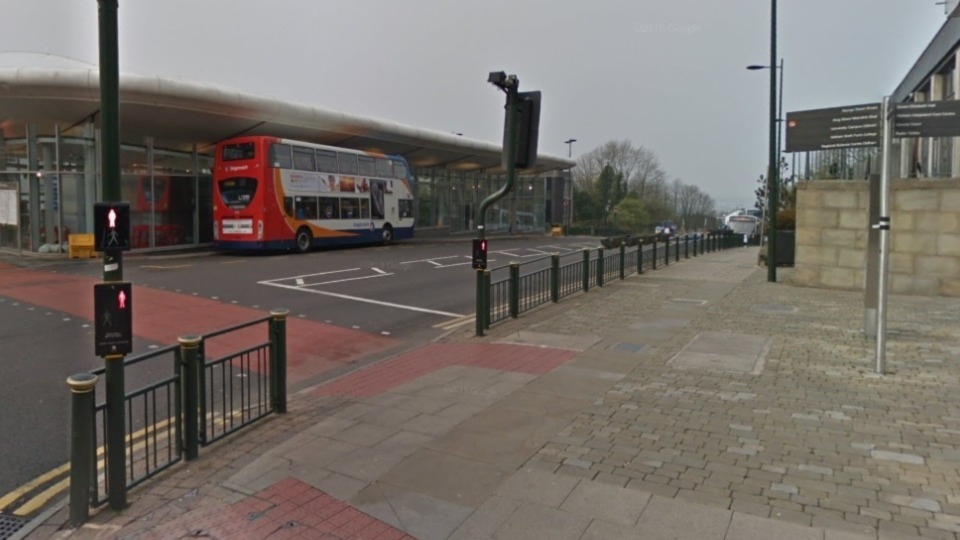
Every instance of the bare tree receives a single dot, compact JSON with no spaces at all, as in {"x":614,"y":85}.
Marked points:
{"x":639,"y":167}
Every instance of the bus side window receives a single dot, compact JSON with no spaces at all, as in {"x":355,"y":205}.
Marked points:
{"x":304,"y":159}
{"x":280,"y":156}
{"x":327,"y":161}
{"x":348,"y":163}
{"x":368,"y":166}
{"x":288,"y":206}
{"x":329,"y":208}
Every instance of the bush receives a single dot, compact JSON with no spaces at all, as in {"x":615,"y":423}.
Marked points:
{"x":787,"y":220}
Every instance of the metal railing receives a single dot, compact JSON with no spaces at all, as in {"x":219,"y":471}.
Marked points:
{"x":185,"y":400}
{"x":517,"y":288}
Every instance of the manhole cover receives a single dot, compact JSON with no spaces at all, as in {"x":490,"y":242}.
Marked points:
{"x":10,"y":525}
{"x":724,"y":351}
{"x":774,"y":309}
{"x":630,"y":347}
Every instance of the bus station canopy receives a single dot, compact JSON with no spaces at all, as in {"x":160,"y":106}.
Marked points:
{"x":178,"y":113}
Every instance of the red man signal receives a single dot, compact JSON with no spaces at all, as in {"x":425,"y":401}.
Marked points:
{"x":480,"y":254}
{"x":111,"y":226}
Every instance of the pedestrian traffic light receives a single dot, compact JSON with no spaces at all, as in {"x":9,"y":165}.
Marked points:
{"x":480,"y":254}
{"x":113,"y":318}
{"x":111,"y":230}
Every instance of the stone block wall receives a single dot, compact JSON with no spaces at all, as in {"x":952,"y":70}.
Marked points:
{"x":925,"y":235}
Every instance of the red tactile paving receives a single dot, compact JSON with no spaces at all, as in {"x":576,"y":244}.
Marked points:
{"x":412,"y":365}
{"x":287,"y":509}
{"x":163,"y":316}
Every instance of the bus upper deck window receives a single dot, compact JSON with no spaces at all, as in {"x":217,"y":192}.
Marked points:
{"x":348,"y":163}
{"x":280,"y":156}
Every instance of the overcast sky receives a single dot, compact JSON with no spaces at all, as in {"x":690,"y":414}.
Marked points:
{"x":665,"y":74}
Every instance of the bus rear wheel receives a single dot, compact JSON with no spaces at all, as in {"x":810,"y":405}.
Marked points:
{"x":387,"y":236}
{"x":304,"y":240}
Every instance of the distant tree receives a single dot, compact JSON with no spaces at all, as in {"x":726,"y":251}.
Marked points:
{"x":632,"y":214}
{"x":618,"y":172}
{"x":639,"y":167}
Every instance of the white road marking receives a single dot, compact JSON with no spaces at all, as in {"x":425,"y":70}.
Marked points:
{"x":343,"y":280}
{"x":299,"y":281}
{"x":436,"y":264}
{"x":379,"y":271}
{"x":311,"y":275}
{"x":360,"y":299}
{"x":430,"y":259}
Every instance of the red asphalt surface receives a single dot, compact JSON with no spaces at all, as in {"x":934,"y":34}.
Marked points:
{"x":162,"y":316}
{"x":287,"y":509}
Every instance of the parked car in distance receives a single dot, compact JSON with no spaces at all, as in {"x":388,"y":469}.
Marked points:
{"x":666,"y":227}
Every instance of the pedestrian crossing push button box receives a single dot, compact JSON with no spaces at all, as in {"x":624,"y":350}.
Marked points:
{"x":113,"y":323}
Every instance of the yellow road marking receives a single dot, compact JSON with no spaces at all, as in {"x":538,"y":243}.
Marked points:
{"x":42,"y":498}
{"x":38,"y":501}
{"x":33,"y":484}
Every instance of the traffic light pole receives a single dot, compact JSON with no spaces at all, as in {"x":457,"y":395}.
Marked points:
{"x":508,"y":85}
{"x":112,"y":260}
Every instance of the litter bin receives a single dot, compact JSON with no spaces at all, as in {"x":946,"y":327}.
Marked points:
{"x":786,"y":247}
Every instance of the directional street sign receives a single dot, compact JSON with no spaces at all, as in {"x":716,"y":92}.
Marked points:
{"x":927,"y":119}
{"x":113,"y":318}
{"x":854,"y":126}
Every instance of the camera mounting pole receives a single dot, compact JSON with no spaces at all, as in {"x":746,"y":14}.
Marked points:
{"x":509,"y":84}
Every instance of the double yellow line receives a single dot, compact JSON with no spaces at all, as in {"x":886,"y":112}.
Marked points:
{"x":16,"y":502}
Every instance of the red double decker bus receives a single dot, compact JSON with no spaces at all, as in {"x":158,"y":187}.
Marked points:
{"x":273,"y":193}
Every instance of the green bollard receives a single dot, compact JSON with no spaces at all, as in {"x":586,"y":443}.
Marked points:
{"x":81,"y":445}
{"x":653,"y":259}
{"x":677,"y":249}
{"x":623,"y":260}
{"x":278,"y":364}
{"x":686,"y":246}
{"x":599,"y":267}
{"x":586,"y":269}
{"x":666,"y":253}
{"x":555,"y":278}
{"x":640,"y":258}
{"x":514,"y":289}
{"x":190,"y":352}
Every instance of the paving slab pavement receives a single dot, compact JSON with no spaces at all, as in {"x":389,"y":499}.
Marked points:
{"x":696,"y":401}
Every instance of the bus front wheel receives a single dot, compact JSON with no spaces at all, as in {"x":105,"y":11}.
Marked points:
{"x":304,"y":240}
{"x":387,"y":236}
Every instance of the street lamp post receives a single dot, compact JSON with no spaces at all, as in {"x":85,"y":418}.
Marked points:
{"x":773,"y":163}
{"x":568,"y":190}
{"x":779,"y":122}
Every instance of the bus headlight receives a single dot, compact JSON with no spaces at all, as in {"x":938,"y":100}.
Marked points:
{"x":216,"y":230}
{"x":259,"y":229}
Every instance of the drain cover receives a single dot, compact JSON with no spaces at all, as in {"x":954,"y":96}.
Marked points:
{"x":722,"y":351}
{"x":10,"y":525}
{"x":630,"y":347}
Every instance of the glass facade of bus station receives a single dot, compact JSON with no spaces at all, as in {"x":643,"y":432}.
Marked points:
{"x":53,"y":173}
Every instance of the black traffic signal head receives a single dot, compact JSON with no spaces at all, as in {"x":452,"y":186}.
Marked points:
{"x":111,"y":229}
{"x":480,"y":254}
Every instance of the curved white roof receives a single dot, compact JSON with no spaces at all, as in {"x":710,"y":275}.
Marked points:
{"x":178,"y":113}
